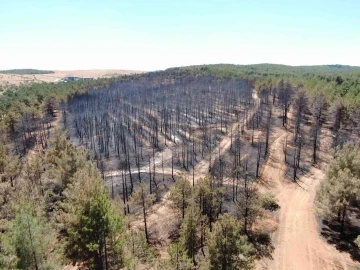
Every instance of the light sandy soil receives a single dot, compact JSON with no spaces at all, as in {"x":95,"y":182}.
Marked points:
{"x":297,"y":242}
{"x":95,"y":73}
{"x":70,"y":267}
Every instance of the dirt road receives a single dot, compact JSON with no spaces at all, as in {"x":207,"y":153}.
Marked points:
{"x":298,"y":244}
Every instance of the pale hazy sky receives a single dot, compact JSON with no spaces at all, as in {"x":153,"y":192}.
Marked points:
{"x":151,"y":35}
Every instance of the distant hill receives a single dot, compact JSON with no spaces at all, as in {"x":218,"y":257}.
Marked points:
{"x":265,"y":70}
{"x":22,"y":76}
{"x":27,"y":71}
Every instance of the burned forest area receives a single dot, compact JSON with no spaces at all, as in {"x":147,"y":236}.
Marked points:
{"x":154,"y":132}
{"x":180,"y":169}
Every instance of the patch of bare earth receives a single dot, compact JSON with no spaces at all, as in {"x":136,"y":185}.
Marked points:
{"x":70,"y":267}
{"x":297,"y":241}
{"x":58,"y":74}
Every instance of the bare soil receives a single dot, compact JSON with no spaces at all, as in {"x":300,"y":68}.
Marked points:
{"x":298,"y":243}
{"x":54,"y":77}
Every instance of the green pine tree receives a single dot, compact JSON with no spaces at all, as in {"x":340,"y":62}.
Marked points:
{"x":145,"y":201}
{"x":29,"y":241}
{"x":340,"y":189}
{"x":228,"y":249}
{"x":95,"y":225}
{"x":249,"y":205}
{"x":137,"y":250}
{"x":178,"y":258}
{"x":180,"y":195}
{"x":209,"y":197}
{"x":189,"y":230}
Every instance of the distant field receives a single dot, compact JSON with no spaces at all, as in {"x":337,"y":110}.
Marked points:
{"x":26,"y":71}
{"x":58,"y":74}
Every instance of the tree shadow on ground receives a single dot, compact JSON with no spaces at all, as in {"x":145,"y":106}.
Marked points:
{"x":343,"y":242}
{"x":262,"y":244}
{"x":174,"y":234}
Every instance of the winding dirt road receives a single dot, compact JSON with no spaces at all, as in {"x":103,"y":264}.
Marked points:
{"x":298,"y":244}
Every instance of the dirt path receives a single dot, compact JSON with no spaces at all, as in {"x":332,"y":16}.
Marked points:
{"x":297,"y":242}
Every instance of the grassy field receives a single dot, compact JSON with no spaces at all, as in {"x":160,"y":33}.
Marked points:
{"x":58,"y":74}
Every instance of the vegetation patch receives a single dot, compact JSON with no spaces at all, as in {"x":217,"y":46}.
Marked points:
{"x":27,"y":71}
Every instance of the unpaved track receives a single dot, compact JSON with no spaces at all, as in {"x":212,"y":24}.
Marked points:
{"x":298,"y":244}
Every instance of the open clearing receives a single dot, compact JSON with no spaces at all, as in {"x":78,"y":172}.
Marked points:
{"x":54,"y":77}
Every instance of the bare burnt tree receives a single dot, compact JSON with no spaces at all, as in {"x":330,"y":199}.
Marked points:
{"x":150,"y":122}
{"x":285,"y":146}
{"x":297,"y":154}
{"x":267,"y":130}
{"x":300,"y":106}
{"x":258,"y":159}
{"x":318,"y":107}
{"x":284,"y":95}
{"x":337,"y":115}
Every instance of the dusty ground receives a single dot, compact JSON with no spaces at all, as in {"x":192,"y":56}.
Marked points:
{"x":298,"y":244}
{"x":70,"y":267}
{"x":95,"y":73}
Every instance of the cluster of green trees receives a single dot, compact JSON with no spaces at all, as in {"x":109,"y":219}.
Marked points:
{"x":210,"y":238}
{"x":339,"y":195}
{"x":59,"y":212}
{"x":28,"y":71}
{"x":33,"y":95}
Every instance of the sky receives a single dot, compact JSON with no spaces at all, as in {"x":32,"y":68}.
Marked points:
{"x":153,"y":35}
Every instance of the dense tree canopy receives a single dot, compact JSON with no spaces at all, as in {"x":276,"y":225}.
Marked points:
{"x":340,"y":190}
{"x":228,"y":248}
